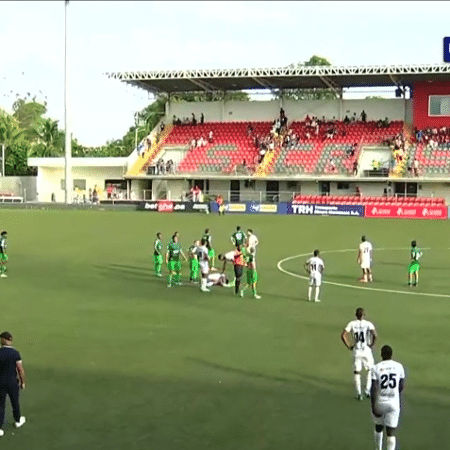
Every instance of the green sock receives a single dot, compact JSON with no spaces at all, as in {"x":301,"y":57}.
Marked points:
{"x":158,"y":268}
{"x":169,"y":279}
{"x":177,"y":278}
{"x":3,"y":269}
{"x":254,"y":291}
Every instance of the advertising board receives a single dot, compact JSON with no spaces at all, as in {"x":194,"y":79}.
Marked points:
{"x":407,"y":212}
{"x":321,"y":210}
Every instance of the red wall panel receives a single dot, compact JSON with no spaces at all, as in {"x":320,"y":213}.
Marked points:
{"x":421,"y":92}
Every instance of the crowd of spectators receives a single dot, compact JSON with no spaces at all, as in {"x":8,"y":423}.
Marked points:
{"x":433,"y":137}
{"x":163,"y":168}
{"x":186,"y":121}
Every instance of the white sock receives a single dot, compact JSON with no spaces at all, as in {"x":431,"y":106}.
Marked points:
{"x":203,"y":283}
{"x":365,"y":277}
{"x":357,"y":377}
{"x":378,"y":440}
{"x":309,"y":292}
{"x":208,"y":285}
{"x":368,"y":382}
{"x":317,"y":292}
{"x":390,"y":443}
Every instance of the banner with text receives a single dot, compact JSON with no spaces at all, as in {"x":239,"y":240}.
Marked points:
{"x":169,"y":206}
{"x":321,"y":210}
{"x":407,"y":212}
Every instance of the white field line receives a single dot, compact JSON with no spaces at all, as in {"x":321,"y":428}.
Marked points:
{"x":363,"y":288}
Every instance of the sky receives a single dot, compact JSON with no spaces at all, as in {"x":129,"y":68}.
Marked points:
{"x":107,"y":36}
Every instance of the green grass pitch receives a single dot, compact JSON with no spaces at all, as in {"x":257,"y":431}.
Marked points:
{"x":115,"y":360}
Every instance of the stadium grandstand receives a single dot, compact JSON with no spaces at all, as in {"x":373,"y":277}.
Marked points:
{"x":284,"y":150}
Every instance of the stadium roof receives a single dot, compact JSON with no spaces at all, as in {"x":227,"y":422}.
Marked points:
{"x":337,"y":77}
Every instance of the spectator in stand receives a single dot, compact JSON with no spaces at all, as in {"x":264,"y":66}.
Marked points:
{"x":162,"y":126}
{"x":202,"y":119}
{"x":363,"y":116}
{"x":357,"y":191}
{"x":346,"y":120}
{"x":211,"y":137}
{"x":194,"y":120}
{"x":249,"y":130}
{"x":355,"y":167}
{"x":416,"y":168}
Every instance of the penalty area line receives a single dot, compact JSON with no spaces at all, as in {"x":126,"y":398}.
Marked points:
{"x":351,"y":286}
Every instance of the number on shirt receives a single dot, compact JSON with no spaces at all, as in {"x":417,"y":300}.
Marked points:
{"x":313,"y":267}
{"x":388,"y":380}
{"x":359,"y":336}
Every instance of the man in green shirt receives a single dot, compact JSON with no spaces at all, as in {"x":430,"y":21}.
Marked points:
{"x":174,"y":251}
{"x":193,"y":262}
{"x":3,"y":255}
{"x":211,"y":252}
{"x":238,"y":237}
{"x":157,"y":255}
{"x":414,"y":265}
{"x":252,"y":275}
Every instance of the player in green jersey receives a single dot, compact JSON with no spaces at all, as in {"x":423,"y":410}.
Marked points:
{"x":193,"y":262}
{"x":211,"y":252}
{"x":238,"y":237}
{"x":414,"y":265}
{"x":157,"y":255}
{"x":3,"y":255}
{"x":252,"y":275}
{"x":173,"y":261}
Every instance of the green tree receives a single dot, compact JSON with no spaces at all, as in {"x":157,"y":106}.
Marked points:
{"x":29,"y":115}
{"x":308,"y":93}
{"x":49,"y":141}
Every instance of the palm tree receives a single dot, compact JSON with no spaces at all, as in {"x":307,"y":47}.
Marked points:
{"x":50,"y":140}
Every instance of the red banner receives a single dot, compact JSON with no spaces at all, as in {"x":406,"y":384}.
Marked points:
{"x":165,"y":206}
{"x":407,"y":212}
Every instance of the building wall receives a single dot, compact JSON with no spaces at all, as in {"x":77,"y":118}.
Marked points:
{"x":420,"y":94}
{"x":19,"y":187}
{"x":232,"y":111}
{"x":49,"y":180}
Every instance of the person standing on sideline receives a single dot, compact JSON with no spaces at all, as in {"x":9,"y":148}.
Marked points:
{"x":157,"y":255}
{"x":314,"y":266}
{"x":365,"y":260}
{"x":12,"y":379}
{"x":359,"y":336}
{"x":388,"y":381}
{"x":3,"y":255}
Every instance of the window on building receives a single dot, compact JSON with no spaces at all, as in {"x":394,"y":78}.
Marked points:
{"x":439,"y":105}
{"x":77,"y":184}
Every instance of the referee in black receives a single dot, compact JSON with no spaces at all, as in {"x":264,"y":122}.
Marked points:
{"x":12,"y":378}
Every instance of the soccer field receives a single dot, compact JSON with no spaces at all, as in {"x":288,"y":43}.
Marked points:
{"x":116,"y":360}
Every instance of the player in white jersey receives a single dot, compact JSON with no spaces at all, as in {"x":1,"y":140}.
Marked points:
{"x":388,"y":380}
{"x":314,"y":266}
{"x":217,"y":279}
{"x":365,"y":260}
{"x":359,"y":336}
{"x":203,"y":262}
{"x":227,"y":258}
{"x":252,"y":240}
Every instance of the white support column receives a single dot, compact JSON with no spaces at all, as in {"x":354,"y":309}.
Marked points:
{"x":68,"y":142}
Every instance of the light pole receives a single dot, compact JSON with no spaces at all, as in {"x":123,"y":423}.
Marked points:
{"x":68,"y":146}
{"x":3,"y":159}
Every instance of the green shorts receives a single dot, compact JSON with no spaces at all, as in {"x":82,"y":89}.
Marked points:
{"x":3,"y":257}
{"x":211,"y":253}
{"x":157,"y":259}
{"x":414,"y":266}
{"x":174,"y":266}
{"x":252,"y":276}
{"x":193,"y":264}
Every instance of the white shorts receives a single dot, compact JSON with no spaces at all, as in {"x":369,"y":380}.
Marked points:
{"x":204,"y":267}
{"x":390,"y":413}
{"x":365,"y":263}
{"x":362,"y":359}
{"x":315,"y":279}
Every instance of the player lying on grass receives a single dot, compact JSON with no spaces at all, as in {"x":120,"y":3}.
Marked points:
{"x":216,"y":278}
{"x":414,"y":265}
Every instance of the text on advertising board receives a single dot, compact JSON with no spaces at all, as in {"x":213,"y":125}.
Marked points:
{"x":407,"y":212}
